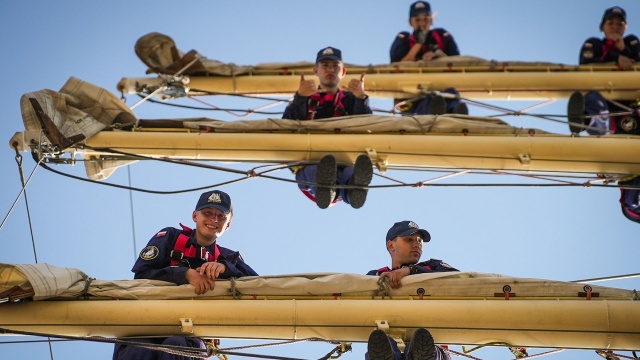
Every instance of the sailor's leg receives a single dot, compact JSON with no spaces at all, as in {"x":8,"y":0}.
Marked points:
{"x":182,"y":341}
{"x":595,"y":104}
{"x":131,"y":352}
{"x":382,"y":347}
{"x":455,"y":106}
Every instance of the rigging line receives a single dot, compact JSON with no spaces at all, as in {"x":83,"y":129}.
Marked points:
{"x":241,"y":95}
{"x":607,"y":278}
{"x":246,"y":112}
{"x":133,"y":223}
{"x":538,"y":177}
{"x":550,"y":352}
{"x":207,"y":109}
{"x":138,"y":189}
{"x":487,"y":172}
{"x":544,"y":103}
{"x":178,"y":350}
{"x":22,"y":190}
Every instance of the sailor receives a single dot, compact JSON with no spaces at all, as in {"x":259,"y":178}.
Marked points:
{"x":186,"y":256}
{"x":615,"y":48}
{"x":404,"y":243}
{"x":326,"y":101}
{"x":426,"y":44}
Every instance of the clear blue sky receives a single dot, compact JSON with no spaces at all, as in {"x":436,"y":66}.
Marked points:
{"x":551,"y":233}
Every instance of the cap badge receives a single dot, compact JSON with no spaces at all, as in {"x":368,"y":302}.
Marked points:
{"x":214,"y":198}
{"x":327,"y":51}
{"x":419,"y":5}
{"x":411,"y":224}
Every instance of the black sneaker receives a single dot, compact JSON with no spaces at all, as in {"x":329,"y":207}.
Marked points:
{"x":461,"y":108}
{"x":362,"y":174}
{"x":437,"y":105}
{"x":326,"y":174}
{"x":422,"y":346}
{"x":575,"y":112}
{"x":379,"y":347}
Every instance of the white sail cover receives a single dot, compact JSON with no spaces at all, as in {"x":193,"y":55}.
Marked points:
{"x":51,"y":282}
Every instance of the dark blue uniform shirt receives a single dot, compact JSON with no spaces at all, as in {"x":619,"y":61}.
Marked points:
{"x":403,"y":43}
{"x":429,"y":266}
{"x":154,"y":261}
{"x":596,"y":50}
{"x":299,"y":107}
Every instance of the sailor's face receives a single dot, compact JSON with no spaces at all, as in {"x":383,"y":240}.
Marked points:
{"x":330,"y":72}
{"x":211,"y":223}
{"x":614,"y":26}
{"x":422,"y":21}
{"x":406,"y":249}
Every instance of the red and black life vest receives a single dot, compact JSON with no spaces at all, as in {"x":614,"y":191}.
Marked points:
{"x":423,"y":49}
{"x":182,"y":250}
{"x":318,"y":100}
{"x":608,"y":46}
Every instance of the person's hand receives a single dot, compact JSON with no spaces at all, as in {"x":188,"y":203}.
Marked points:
{"x":395,"y":277}
{"x":618,"y":41}
{"x":200,"y":282}
{"x":212,"y":270}
{"x":306,"y":87}
{"x":429,"y":55}
{"x":625,"y":63}
{"x":421,"y":36}
{"x":357,"y":87}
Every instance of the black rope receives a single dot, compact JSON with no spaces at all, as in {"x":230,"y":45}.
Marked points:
{"x":191,"y":107}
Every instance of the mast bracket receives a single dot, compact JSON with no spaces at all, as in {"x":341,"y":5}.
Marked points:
{"x":186,"y":325}
{"x":381,"y":162}
{"x":525,"y":159}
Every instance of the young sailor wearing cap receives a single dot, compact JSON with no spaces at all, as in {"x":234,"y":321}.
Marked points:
{"x":615,"y":48}
{"x":327,"y":101}
{"x":426,"y":44}
{"x":404,"y":242}
{"x":186,"y":256}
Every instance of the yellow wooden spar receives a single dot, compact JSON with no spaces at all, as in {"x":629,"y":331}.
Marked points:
{"x":457,"y":307}
{"x":448,"y":142}
{"x":528,"y":84}
{"x":596,"y":324}
{"x":473,"y":77}
{"x":508,"y":82}
{"x":607,"y":154}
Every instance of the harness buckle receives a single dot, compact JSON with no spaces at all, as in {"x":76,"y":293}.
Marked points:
{"x":176,"y":255}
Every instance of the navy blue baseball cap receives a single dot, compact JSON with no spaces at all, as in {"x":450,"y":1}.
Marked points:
{"x":405,"y":228}
{"x":419,"y":7}
{"x":215,"y":199}
{"x":329,"y":53}
{"x":611,"y":12}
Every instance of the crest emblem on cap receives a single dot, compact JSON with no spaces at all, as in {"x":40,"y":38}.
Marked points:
{"x":327,"y":51}
{"x":419,"y":5}
{"x":411,"y":224}
{"x":616,"y":10}
{"x":214,"y":198}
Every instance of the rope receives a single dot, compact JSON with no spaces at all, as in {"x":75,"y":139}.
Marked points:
{"x":384,"y":289}
{"x":233,"y":291}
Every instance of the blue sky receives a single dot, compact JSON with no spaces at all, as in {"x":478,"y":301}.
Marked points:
{"x":552,"y":233}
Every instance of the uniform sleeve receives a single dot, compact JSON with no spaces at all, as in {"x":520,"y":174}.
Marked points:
{"x":400,"y":47}
{"x":450,"y":46}
{"x":433,"y":265}
{"x":154,"y":261}
{"x":373,"y":272}
{"x":236,"y":267}
{"x":632,"y":47}
{"x":297,"y":110}
{"x":356,"y":106}
{"x":591,"y":51}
